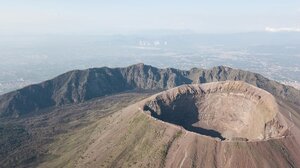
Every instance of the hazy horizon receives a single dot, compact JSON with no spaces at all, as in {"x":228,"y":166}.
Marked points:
{"x":118,"y":17}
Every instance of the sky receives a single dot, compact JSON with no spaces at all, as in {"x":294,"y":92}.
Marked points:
{"x":131,"y":16}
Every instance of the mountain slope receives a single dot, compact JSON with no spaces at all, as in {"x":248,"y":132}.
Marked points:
{"x":82,"y":85}
{"x":132,"y":138}
{"x":97,"y":118}
{"x":59,"y":135}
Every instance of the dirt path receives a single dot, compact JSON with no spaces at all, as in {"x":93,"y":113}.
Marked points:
{"x":185,"y":156}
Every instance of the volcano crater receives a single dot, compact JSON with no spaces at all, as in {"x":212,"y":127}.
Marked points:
{"x":230,"y":110}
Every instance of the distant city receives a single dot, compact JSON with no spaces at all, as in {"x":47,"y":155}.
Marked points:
{"x":32,"y":59}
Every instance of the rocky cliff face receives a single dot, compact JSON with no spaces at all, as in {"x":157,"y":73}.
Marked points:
{"x":82,"y":85}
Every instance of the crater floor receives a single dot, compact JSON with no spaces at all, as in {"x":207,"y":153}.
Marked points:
{"x":230,"y":110}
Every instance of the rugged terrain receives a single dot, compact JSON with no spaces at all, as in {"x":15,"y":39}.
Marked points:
{"x":106,"y":117}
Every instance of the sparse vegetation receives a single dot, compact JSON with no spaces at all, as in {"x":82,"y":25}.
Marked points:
{"x":56,"y":137}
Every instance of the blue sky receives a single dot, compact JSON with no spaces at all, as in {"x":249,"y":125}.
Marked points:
{"x":121,"y":17}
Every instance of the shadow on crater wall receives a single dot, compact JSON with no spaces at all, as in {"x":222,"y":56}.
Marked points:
{"x":182,"y":112}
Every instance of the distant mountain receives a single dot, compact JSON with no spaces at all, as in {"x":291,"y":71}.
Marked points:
{"x":83,"y":85}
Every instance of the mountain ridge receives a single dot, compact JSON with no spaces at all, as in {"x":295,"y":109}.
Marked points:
{"x":82,"y":85}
